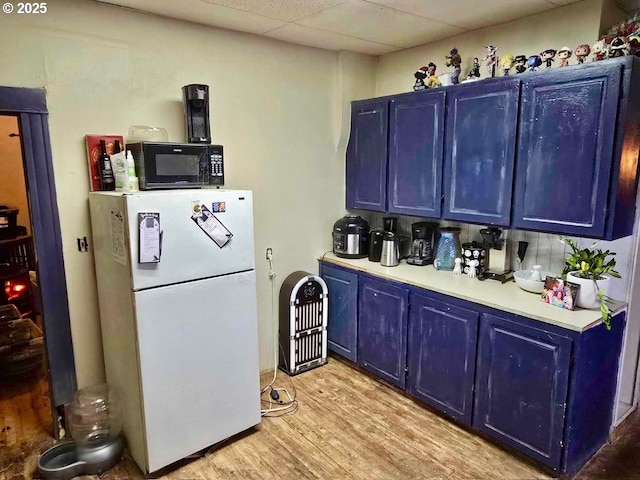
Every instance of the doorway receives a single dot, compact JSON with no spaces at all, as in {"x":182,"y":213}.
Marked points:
{"x":25,"y":406}
{"x":28,"y":108}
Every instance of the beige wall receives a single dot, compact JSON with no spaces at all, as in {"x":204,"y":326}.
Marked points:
{"x":571,"y":25}
{"x":274,"y":106}
{"x":13,"y":188}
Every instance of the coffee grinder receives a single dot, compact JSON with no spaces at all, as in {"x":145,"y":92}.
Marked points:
{"x":422,"y":244}
{"x":499,"y":252}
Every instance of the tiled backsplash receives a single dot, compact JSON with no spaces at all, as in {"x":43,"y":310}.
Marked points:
{"x":544,"y":249}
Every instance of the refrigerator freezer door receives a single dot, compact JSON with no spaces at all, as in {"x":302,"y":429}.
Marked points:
{"x":188,"y":253}
{"x":198,"y":347}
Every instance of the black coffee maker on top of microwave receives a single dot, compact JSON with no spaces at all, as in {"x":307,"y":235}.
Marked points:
{"x":195,"y":100}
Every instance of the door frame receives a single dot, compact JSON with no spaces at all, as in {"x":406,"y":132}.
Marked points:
{"x":29,"y":106}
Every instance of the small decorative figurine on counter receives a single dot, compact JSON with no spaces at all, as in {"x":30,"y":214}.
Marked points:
{"x":520,"y":62}
{"x":618,"y":47}
{"x":432,"y":81}
{"x":506,"y":64}
{"x":454,"y":60}
{"x":420,"y":75}
{"x":475,"y":69}
{"x":491,"y":59}
{"x":599,"y":51}
{"x":472,"y":268}
{"x":564,"y":54}
{"x":582,"y":52}
{"x":457,"y":270}
{"x":533,"y":62}
{"x":547,"y":57}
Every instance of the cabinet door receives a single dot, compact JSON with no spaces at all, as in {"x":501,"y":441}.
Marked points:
{"x":382,"y":329}
{"x":521,"y":387}
{"x":343,"y":311}
{"x":367,"y":155}
{"x":480,"y":152}
{"x":442,"y":355}
{"x":416,"y":132}
{"x":567,"y":127}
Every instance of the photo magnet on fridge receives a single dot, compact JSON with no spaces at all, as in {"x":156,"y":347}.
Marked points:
{"x":210,"y":225}
{"x":149,"y":238}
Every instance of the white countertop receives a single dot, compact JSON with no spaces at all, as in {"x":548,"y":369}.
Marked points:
{"x":507,"y":297}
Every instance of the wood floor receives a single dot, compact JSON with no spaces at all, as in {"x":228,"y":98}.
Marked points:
{"x":348,"y":426}
{"x":25,"y":410}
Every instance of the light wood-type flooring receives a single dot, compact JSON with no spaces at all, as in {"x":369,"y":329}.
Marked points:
{"x":348,"y":426}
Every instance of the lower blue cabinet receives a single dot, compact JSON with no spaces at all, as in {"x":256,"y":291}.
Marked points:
{"x":543,"y":390}
{"x":442,"y":355}
{"x":342,"y":329}
{"x":521,"y":387}
{"x":382,"y":329}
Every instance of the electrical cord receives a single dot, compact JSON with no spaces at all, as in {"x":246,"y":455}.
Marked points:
{"x":276,"y":406}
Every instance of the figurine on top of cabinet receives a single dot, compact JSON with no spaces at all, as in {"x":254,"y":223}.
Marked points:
{"x":454,"y":60}
{"x":506,"y":64}
{"x":564,"y":54}
{"x":633,"y":43}
{"x":548,"y":57}
{"x":432,"y":81}
{"x":420,"y":75}
{"x":618,"y":47}
{"x":491,"y":59}
{"x":599,"y":51}
{"x":533,"y":62}
{"x":582,"y":52}
{"x":520,"y":62}
{"x":475,"y":69}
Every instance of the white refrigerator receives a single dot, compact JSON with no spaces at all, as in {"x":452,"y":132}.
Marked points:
{"x":179,"y":331}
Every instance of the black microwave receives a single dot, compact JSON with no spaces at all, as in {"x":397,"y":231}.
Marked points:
{"x":177,"y":165}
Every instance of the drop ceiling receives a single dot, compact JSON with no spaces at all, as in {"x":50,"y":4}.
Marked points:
{"x":373,"y":27}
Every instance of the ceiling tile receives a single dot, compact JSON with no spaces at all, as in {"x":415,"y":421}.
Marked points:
{"x":198,"y":11}
{"x":368,"y":21}
{"x":279,"y":9}
{"x":470,"y":14}
{"x":565,"y":2}
{"x":331,"y":41}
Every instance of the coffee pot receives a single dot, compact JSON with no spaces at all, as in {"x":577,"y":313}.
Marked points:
{"x":390,"y":256}
{"x":422,"y":244}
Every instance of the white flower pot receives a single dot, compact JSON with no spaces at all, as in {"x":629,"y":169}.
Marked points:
{"x":588,"y":293}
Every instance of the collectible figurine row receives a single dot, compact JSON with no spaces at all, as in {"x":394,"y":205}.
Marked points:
{"x":602,"y":49}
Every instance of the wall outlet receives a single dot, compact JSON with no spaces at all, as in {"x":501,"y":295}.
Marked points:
{"x":83,"y":244}
{"x":269,"y":255}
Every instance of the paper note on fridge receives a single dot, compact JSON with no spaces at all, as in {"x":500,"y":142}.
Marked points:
{"x":210,"y":225}
{"x":149,"y":239}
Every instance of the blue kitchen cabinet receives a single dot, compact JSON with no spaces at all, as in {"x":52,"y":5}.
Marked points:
{"x":480,"y":151}
{"x":570,"y":177}
{"x":382,"y":329}
{"x":442,"y":355}
{"x":522,"y":387}
{"x":342,"y":328}
{"x":416,"y":135}
{"x":366,"y":161}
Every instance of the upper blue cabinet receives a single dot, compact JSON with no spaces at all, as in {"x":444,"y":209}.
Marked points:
{"x":416,"y":132}
{"x":480,"y":151}
{"x":367,"y":155}
{"x":578,"y":151}
{"x":552,"y":151}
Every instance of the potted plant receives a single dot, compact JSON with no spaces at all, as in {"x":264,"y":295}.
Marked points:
{"x":592,"y":270}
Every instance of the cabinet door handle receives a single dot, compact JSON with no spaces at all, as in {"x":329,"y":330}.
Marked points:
{"x":368,"y":112}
